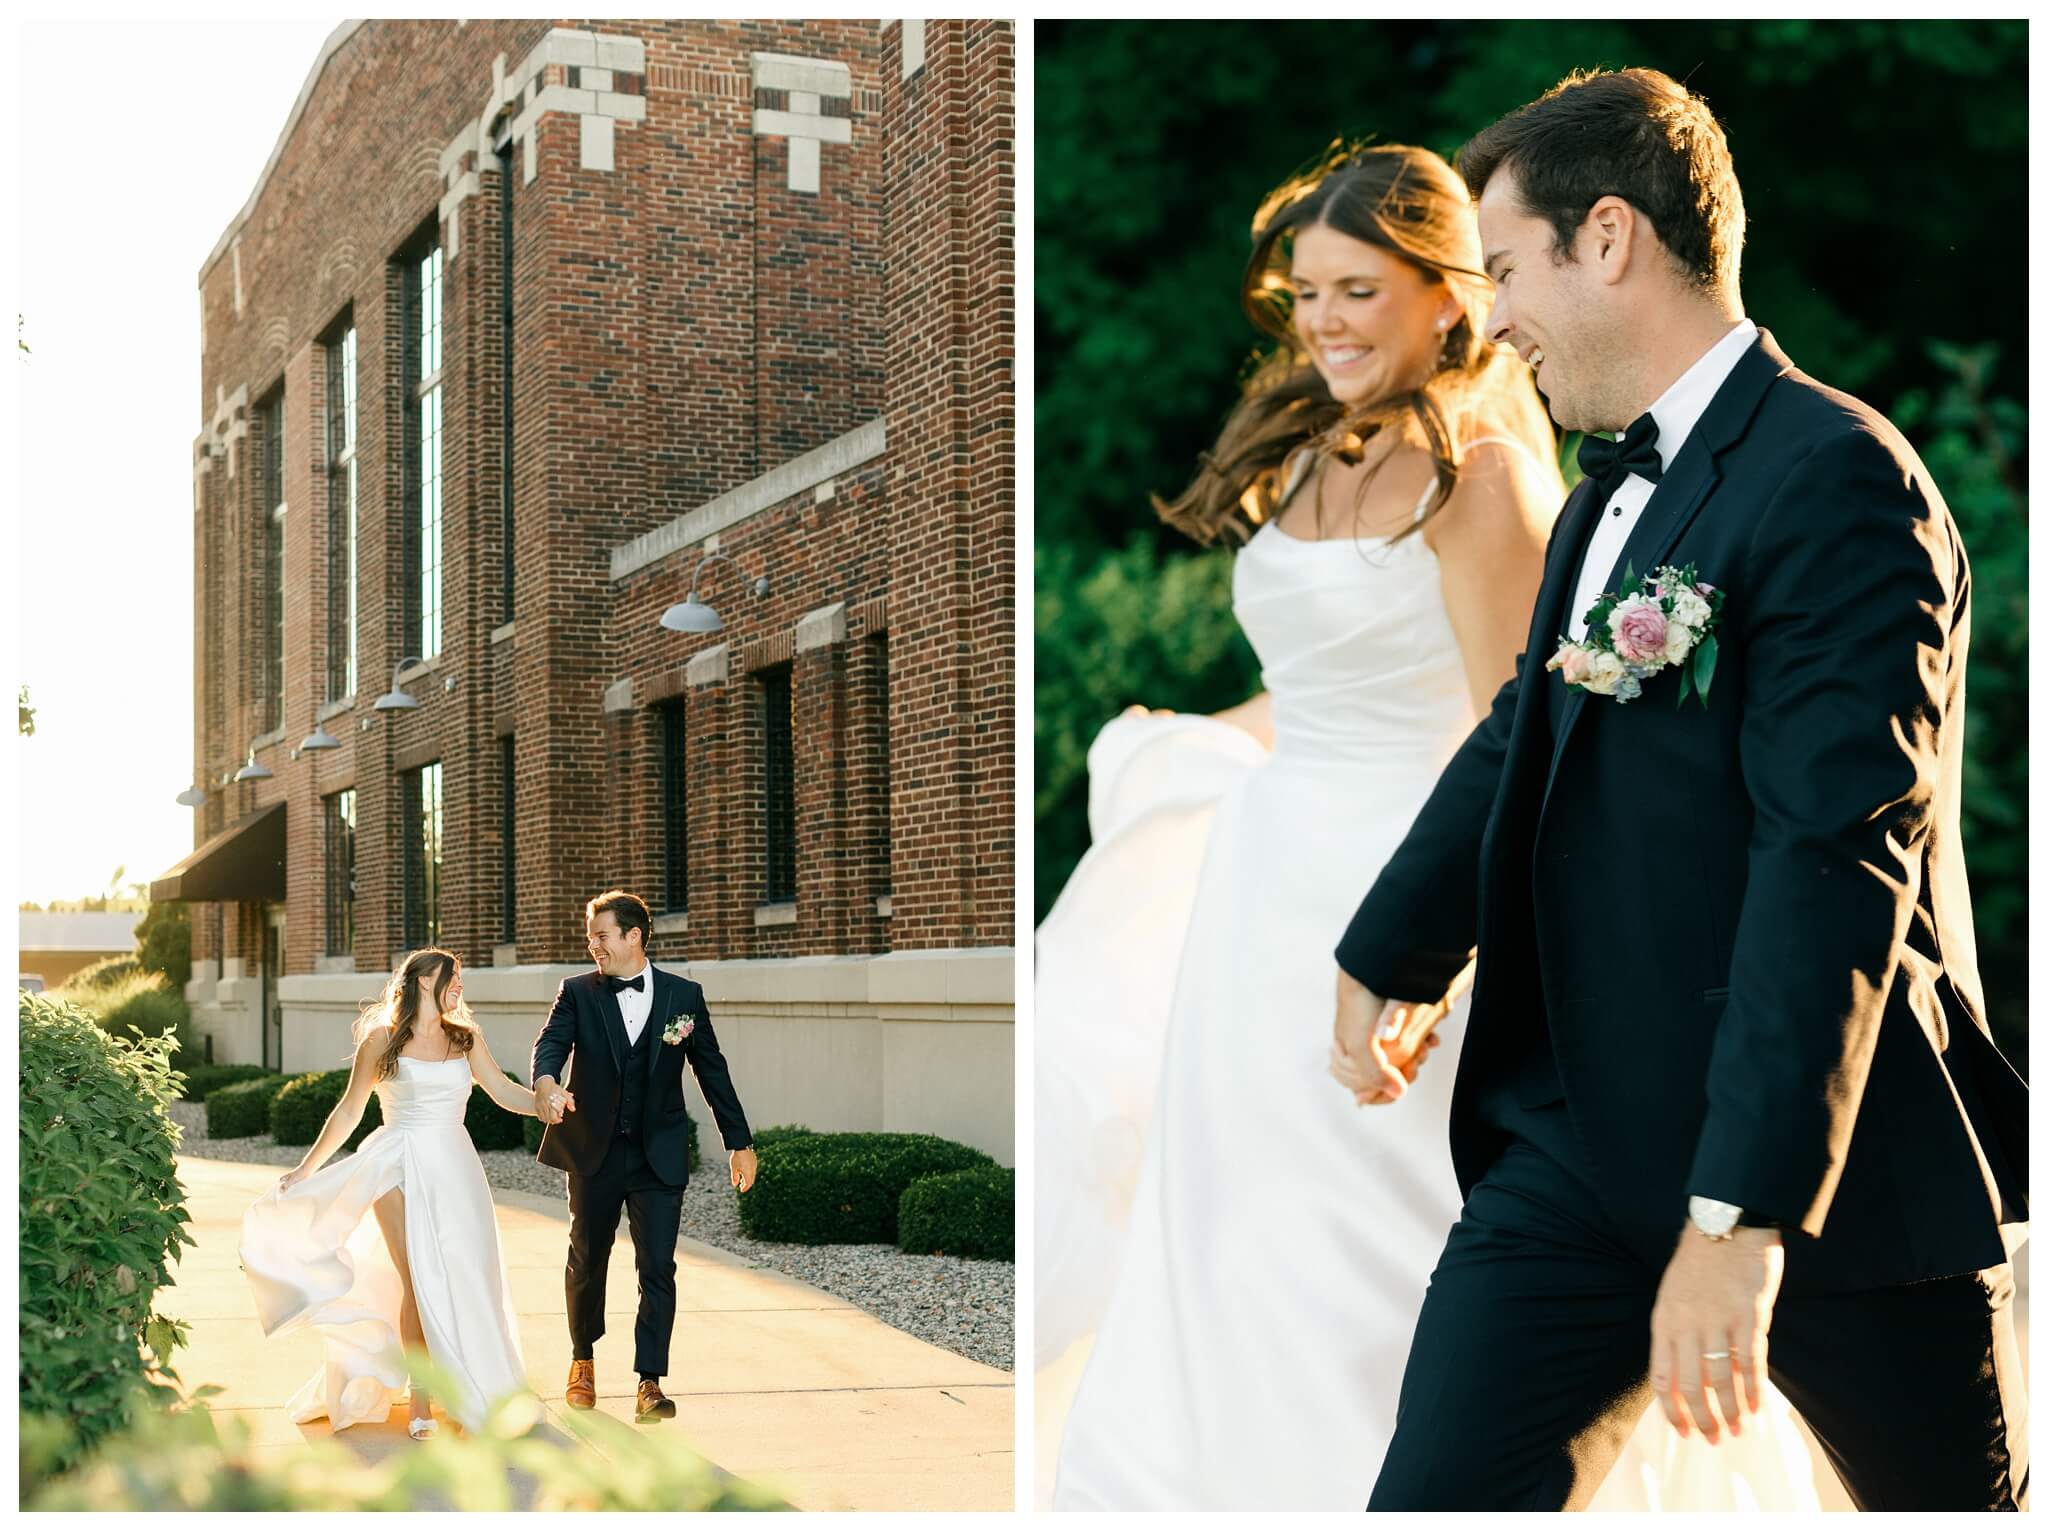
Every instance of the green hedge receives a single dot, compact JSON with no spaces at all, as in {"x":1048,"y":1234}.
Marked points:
{"x":104,"y":974}
{"x":202,"y":1079}
{"x":843,"y":1187}
{"x":783,"y":1134}
{"x":243,"y":1110}
{"x":102,"y":1215}
{"x":490,"y":1124}
{"x":534,"y":1127}
{"x":972,"y":1213}
{"x":301,"y":1109}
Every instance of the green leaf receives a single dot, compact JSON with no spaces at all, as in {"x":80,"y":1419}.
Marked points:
{"x":1703,"y":660}
{"x":1685,"y":685}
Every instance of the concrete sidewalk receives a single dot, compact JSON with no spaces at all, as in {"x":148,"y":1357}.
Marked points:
{"x":774,"y":1381}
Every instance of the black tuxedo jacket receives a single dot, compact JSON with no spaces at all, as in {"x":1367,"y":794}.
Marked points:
{"x":1746,"y":928}
{"x":586,"y":1023}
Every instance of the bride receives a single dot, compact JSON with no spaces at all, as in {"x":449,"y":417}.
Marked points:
{"x":398,"y":1243}
{"x":1247,"y":1248}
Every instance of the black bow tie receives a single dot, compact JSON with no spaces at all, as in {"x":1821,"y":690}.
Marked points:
{"x":1609,"y":462}
{"x":616,"y":984}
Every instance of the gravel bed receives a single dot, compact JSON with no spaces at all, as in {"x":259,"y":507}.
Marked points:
{"x":965,"y":1306}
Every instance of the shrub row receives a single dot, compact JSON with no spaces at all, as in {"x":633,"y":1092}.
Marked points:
{"x":243,"y":1110}
{"x":101,"y":1215}
{"x":843,"y":1187}
{"x":202,"y":1079}
{"x":971,"y":1213}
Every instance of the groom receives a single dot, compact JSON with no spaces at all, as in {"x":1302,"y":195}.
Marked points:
{"x":1727,"y":1074}
{"x":623,"y":1135}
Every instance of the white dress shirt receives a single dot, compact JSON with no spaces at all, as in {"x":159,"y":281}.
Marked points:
{"x":635,"y":1004}
{"x":1676,"y":413}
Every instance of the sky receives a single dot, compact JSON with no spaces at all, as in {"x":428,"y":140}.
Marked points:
{"x":123,"y":194}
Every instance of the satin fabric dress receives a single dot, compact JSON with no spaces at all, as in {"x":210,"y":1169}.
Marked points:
{"x":1247,"y":1248}
{"x":315,"y":1257}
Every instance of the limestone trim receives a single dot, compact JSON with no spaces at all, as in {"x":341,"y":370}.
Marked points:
{"x":820,"y":465}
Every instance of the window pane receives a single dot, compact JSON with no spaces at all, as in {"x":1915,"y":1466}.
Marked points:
{"x":430,"y":524}
{"x":780,"y":784}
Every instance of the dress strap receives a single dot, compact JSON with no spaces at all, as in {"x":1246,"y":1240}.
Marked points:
{"x":1507,"y":441}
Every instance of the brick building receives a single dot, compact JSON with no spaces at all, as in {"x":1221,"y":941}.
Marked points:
{"x":523,"y":320}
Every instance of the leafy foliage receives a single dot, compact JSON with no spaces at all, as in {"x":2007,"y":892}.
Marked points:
{"x":301,"y":1108}
{"x":843,"y":1187}
{"x":203,"y":1079}
{"x":101,"y":975}
{"x":190,"y":1459}
{"x":971,"y":1213}
{"x":165,"y":937}
{"x":102,"y":1217}
{"x":1154,"y":144}
{"x":243,"y":1110}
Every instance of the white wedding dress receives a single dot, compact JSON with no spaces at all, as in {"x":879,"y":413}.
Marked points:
{"x":316,"y":1256}
{"x":1247,"y":1247}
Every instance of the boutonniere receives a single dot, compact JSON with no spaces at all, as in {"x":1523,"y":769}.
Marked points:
{"x":1650,"y":625}
{"x":678,"y":1027}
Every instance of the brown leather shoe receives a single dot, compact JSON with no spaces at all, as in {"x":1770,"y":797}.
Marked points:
{"x":582,"y":1393}
{"x":649,"y":1403}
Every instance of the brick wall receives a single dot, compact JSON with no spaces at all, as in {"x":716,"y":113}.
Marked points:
{"x":685,"y":322}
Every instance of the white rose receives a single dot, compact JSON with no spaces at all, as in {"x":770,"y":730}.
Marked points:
{"x":1690,"y":610}
{"x":1677,"y":643}
{"x":1606,"y":673}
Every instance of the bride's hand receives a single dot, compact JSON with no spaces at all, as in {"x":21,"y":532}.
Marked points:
{"x":291,"y":1178}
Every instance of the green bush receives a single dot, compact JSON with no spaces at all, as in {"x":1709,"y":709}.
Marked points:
{"x":201,"y":1080}
{"x":843,"y":1187}
{"x":148,"y":1010}
{"x":103,"y":974}
{"x":102,"y":1215}
{"x":782,"y":1134}
{"x":490,"y":1124}
{"x":192,"y":1460}
{"x":301,"y":1108}
{"x":243,"y":1110}
{"x":972,"y":1213}
{"x":165,"y":938}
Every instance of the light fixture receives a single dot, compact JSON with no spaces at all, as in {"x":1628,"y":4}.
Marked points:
{"x":319,"y":739}
{"x":396,"y":700}
{"x":253,"y":769}
{"x":192,"y":797}
{"x":694,"y":616}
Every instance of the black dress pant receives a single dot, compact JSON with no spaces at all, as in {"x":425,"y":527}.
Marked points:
{"x":654,"y":1215}
{"x":1529,"y":1369}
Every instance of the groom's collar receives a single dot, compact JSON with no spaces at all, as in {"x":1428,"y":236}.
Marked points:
{"x":1680,"y":406}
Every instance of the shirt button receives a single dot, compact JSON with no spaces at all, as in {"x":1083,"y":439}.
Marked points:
{"x":1616,"y":511}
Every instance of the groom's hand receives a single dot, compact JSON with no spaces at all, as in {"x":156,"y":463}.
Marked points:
{"x":744,"y":1168}
{"x":1716,"y":1297}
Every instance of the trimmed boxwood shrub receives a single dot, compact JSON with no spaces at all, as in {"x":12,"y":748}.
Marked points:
{"x":202,"y":1079}
{"x":843,"y":1187}
{"x":243,"y":1110}
{"x":490,"y":1124}
{"x":102,"y":1214}
{"x":301,"y":1108}
{"x":783,"y":1134}
{"x":972,"y":1213}
{"x":534,"y":1127}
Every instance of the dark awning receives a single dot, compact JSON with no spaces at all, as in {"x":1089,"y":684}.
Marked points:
{"x":243,"y":861}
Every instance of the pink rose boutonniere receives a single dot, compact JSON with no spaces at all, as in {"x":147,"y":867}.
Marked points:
{"x":678,"y":1027}
{"x":1650,"y":625}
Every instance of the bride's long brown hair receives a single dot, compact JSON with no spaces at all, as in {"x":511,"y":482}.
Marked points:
{"x":1410,"y":203}
{"x":397,"y":1008}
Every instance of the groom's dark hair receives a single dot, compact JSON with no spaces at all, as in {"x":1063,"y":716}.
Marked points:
{"x":1637,"y":134}
{"x":627,"y":909}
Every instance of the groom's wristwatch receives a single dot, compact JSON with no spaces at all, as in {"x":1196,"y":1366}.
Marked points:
{"x":1715,"y":1220}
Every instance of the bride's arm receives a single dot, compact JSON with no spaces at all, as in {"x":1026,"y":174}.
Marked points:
{"x":1255,"y":717}
{"x":1489,"y":540}
{"x":497,"y":1084}
{"x":347,"y":1112}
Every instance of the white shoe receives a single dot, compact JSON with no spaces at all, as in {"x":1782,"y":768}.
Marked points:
{"x":421,"y":1429}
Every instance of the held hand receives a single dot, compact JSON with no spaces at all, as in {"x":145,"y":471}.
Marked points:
{"x":1357,"y":1060}
{"x":291,"y":1178}
{"x":744,"y":1168}
{"x":1710,"y":1327}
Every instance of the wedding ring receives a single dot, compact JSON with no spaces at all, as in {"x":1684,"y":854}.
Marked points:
{"x":1716,"y":1355}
